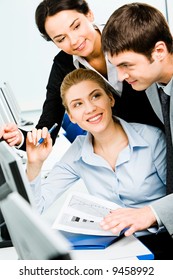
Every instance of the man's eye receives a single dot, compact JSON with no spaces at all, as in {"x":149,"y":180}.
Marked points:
{"x":127,"y":66}
{"x":124,"y":65}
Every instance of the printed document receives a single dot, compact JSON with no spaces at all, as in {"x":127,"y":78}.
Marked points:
{"x":82,"y":213}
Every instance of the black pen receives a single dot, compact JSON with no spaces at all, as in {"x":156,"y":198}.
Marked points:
{"x":41,"y":140}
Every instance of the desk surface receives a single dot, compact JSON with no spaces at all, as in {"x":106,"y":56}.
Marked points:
{"x":126,"y":248}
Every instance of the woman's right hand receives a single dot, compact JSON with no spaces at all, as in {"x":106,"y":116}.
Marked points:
{"x":36,"y":155}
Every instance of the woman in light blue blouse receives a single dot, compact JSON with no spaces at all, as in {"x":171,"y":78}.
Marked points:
{"x":118,"y":161}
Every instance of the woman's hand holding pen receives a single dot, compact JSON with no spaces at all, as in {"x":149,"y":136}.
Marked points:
{"x":37,"y":154}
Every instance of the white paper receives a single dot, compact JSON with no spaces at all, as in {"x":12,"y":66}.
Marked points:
{"x":82,"y":213}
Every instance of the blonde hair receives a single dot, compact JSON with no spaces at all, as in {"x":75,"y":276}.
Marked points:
{"x":79,"y":75}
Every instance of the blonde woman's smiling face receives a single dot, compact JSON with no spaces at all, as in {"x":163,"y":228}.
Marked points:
{"x":89,"y":106}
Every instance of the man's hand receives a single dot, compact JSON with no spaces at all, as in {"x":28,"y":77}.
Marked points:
{"x":130,"y":218}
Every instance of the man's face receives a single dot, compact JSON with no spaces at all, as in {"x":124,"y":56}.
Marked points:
{"x":137,"y":69}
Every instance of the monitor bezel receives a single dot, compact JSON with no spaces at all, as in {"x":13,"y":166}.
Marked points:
{"x":6,"y":114}
{"x":11,"y":102}
{"x":14,"y":173}
{"x":32,"y":238}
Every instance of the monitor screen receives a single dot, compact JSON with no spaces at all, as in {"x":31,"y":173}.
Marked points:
{"x":6,"y":113}
{"x":4,"y":188}
{"x":17,"y":210}
{"x":13,"y":177}
{"x":11,"y":102}
{"x":9,"y":107}
{"x":12,"y":98}
{"x":43,"y":243}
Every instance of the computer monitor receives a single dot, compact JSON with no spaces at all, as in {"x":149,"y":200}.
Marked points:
{"x":11,"y":101}
{"x":31,"y":236}
{"x":11,"y":105}
{"x":12,"y":170}
{"x":12,"y":178}
{"x":6,"y":113}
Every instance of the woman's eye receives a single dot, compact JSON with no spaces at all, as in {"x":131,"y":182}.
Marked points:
{"x":77,"y":26}
{"x":61,"y":40}
{"x":77,"y":104}
{"x":95,"y":96}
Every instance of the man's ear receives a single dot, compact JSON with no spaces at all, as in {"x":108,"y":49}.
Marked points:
{"x":160,"y":51}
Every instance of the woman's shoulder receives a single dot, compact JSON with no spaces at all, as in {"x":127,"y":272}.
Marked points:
{"x":63,"y":57}
{"x":62,"y":64}
{"x":143,"y":128}
{"x":153,"y":135}
{"x":146,"y":127}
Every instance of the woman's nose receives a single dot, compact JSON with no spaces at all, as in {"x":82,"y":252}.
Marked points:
{"x":73,"y":39}
{"x":89,"y":107}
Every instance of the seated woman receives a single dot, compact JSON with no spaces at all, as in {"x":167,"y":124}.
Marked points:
{"x":118,"y":161}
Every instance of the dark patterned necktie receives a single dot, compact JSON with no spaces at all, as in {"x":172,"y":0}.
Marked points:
{"x":165,"y":104}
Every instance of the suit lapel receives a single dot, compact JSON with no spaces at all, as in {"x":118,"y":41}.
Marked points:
{"x":171,"y":113}
{"x":152,"y":94}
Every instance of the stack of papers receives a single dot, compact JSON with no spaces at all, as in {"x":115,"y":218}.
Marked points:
{"x":79,"y":220}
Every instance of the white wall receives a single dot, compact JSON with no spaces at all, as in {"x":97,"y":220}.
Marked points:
{"x":170,"y":14}
{"x":26,"y":58}
{"x":103,"y":9}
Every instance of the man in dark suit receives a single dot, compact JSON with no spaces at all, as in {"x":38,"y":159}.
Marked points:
{"x":139,"y":44}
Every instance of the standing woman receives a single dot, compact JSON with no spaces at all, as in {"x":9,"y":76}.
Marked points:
{"x":69,"y":24}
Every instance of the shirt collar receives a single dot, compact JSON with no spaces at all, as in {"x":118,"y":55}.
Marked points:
{"x":167,"y":89}
{"x":134,"y":138}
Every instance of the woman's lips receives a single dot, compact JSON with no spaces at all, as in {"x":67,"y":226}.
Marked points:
{"x":95,"y":119}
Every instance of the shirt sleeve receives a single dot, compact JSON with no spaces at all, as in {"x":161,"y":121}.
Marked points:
{"x":60,"y":178}
{"x":22,"y":142}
